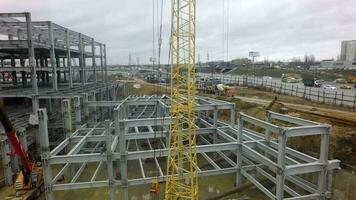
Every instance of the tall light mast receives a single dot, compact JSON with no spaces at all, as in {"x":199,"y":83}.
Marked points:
{"x":182,"y":177}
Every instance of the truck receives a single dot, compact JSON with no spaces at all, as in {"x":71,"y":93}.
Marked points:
{"x":226,"y":90}
{"x":291,"y":78}
{"x":208,"y":85}
{"x":311,"y":81}
{"x":351,"y":80}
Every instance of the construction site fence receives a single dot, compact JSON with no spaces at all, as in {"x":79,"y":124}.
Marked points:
{"x":315,"y":94}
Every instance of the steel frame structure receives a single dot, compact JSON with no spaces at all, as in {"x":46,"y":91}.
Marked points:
{"x":137,"y":136}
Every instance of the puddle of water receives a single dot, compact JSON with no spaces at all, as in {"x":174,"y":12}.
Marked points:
{"x":345,"y":189}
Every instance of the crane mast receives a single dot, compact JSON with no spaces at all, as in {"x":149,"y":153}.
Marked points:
{"x":182,"y":177}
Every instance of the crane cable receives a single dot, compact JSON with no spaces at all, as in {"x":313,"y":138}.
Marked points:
{"x":225,"y":29}
{"x":157,"y":86}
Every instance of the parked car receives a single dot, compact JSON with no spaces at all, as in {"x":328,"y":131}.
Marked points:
{"x":329,"y":87}
{"x":267,"y":77}
{"x":339,"y":80}
{"x":345,"y":87}
{"x":318,"y":83}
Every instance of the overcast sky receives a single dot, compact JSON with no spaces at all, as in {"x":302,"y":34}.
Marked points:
{"x":278,"y":29}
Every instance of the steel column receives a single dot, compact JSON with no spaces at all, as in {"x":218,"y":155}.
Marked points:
{"x":280,"y":177}
{"x":123,"y":154}
{"x":109,"y":160}
{"x":239,"y":152}
{"x":45,"y":153}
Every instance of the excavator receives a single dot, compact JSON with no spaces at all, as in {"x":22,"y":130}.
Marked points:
{"x":29,"y":180}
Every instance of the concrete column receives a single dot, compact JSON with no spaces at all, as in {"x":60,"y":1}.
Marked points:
{"x":85,"y":65}
{"x":64,"y":70}
{"x":93,"y":109}
{"x":85,"y":107}
{"x":1,"y":65}
{"x":78,"y":117}
{"x":239,"y":152}
{"x":109,"y":160}
{"x":31,"y":56}
{"x":49,"y":107}
{"x":101,"y":98}
{"x":13,"y":64}
{"x":94,"y":59}
{"x":125,"y":91}
{"x":23,"y":140}
{"x":5,"y":149}
{"x":113,"y":93}
{"x":45,"y":153}
{"x":23,"y":79}
{"x":58,"y":64}
{"x":280,"y":177}
{"x":67,"y":114}
{"x":46,"y":73}
{"x":14,"y":160}
{"x":42,"y":64}
{"x":23,"y":74}
{"x":69,"y":61}
{"x":102,"y":63}
{"x":52,"y":54}
{"x":35,"y":103}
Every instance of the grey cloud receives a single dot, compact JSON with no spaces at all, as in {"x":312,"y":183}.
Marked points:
{"x":279,"y":29}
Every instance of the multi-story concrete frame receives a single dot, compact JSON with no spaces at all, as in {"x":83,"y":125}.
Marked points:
{"x":38,"y":62}
{"x":47,"y":52}
{"x":137,"y":137}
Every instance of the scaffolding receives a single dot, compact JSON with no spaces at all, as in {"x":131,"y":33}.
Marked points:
{"x":130,"y":139}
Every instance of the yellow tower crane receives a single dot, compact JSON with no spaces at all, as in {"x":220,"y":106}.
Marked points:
{"x":182,"y":177}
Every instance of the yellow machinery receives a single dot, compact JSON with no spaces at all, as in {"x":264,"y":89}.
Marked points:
{"x":351,"y":79}
{"x":182,"y":177}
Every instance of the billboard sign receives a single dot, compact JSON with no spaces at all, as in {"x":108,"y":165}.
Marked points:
{"x":253,"y":54}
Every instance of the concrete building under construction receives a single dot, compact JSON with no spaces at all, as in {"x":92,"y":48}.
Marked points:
{"x":91,"y":134}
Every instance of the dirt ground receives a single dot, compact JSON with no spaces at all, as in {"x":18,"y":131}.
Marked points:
{"x":342,"y":119}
